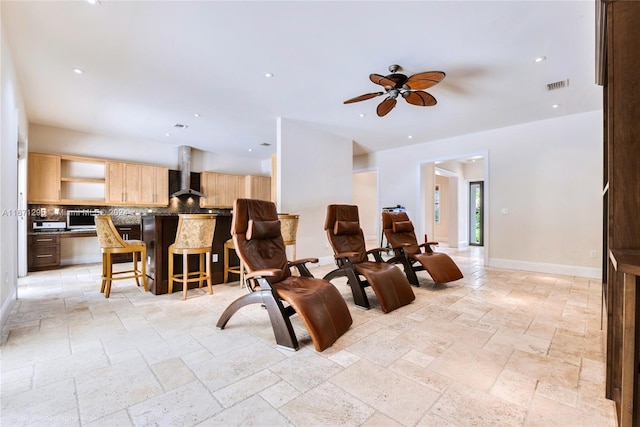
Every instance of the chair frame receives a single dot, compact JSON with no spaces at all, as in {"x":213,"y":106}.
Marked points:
{"x":410,"y":262}
{"x":411,"y":265}
{"x":187,"y":277}
{"x":355,"y":280}
{"x":108,"y":275}
{"x":261,"y":292}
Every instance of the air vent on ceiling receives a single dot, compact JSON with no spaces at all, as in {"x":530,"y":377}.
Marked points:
{"x":265,"y":144}
{"x":180,"y":126}
{"x":558,"y":85}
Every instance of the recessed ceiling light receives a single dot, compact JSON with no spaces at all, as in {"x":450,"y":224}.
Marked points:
{"x":268,"y":74}
{"x":555,"y":105}
{"x":93,"y":2}
{"x":250,"y":149}
{"x":410,"y":136}
{"x":540,"y":59}
{"x":78,"y":70}
{"x":196,"y":115}
{"x":167,"y":134}
{"x":363,"y":115}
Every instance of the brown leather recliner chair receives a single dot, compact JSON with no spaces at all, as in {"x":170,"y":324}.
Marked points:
{"x":387,"y":281}
{"x":258,"y":241}
{"x":398,"y":229}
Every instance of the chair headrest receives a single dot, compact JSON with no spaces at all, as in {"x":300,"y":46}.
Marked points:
{"x":402,"y":226}
{"x":388,"y":218}
{"x":346,"y":228}
{"x":262,"y":230}
{"x":341,"y":213}
{"x":245,"y":210}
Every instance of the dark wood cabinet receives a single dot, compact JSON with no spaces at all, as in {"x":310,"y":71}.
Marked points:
{"x":128,"y":232}
{"x":43,"y":252}
{"x":159,"y":231}
{"x":618,"y":56}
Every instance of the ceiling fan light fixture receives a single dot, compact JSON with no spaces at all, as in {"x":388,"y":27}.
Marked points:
{"x":410,"y":88}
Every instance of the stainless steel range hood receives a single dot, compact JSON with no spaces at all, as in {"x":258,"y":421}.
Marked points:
{"x":184,"y":164}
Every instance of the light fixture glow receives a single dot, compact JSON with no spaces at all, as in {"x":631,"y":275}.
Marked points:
{"x":540,"y":59}
{"x":78,"y":70}
{"x":196,"y":115}
{"x":363,"y":115}
{"x":268,"y":75}
{"x":410,"y":136}
{"x":250,"y":149}
{"x":555,"y":105}
{"x":167,"y":134}
{"x":93,"y":2}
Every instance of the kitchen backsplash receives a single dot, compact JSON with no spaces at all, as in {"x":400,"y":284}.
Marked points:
{"x":121,"y":214}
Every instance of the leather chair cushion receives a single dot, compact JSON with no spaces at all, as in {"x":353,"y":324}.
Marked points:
{"x":440,"y":266}
{"x":402,"y":226}
{"x":263,"y":230}
{"x":389,"y":284}
{"x":320,"y":307}
{"x":346,"y":228}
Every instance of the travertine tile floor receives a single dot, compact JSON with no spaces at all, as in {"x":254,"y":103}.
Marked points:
{"x":498,"y":348}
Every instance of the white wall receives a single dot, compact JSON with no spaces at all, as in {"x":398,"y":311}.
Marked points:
{"x":365,"y":196}
{"x":548,"y":175}
{"x":49,"y":139}
{"x":12,"y":117}
{"x":314,"y":170}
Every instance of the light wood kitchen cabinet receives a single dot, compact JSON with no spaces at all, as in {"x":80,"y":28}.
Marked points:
{"x":154,"y":185}
{"x":44,"y":178}
{"x":123,"y":183}
{"x":257,"y":187}
{"x":221,"y":189}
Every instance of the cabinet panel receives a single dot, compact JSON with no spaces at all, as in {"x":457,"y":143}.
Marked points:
{"x":123,"y":183}
{"x":154,"y":186}
{"x":128,"y":232}
{"x":43,"y":252}
{"x":44,"y":178}
{"x":221,"y":189}
{"x":258,"y":187}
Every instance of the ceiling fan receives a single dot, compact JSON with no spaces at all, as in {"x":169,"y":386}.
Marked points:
{"x":410,"y":88}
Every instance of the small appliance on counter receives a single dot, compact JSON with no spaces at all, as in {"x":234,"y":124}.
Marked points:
{"x":49,"y":225}
{"x":82,"y":219}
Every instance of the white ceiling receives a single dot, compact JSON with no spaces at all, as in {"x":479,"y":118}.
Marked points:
{"x":151,"y":64}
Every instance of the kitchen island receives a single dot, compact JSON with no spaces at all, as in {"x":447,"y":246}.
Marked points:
{"x":159,"y":231}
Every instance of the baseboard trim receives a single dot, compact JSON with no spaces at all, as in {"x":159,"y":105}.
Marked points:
{"x":540,"y":267}
{"x":84,"y":259}
{"x":6,"y":309}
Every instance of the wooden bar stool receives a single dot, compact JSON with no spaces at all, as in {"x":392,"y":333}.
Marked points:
{"x":111,"y":243}
{"x":194,"y":236}
{"x":289,"y":227}
{"x":237,"y":269}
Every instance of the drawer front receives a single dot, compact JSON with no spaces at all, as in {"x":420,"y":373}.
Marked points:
{"x":41,"y":256}
{"x":44,"y":240}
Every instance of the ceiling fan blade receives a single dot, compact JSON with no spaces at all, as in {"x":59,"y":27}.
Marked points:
{"x":424,"y":80}
{"x":363,"y":97}
{"x":385,"y":106}
{"x":381,"y":80}
{"x":420,"y":98}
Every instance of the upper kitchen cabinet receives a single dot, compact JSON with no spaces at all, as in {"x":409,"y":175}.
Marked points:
{"x":221,"y":189}
{"x":154,"y":185}
{"x":257,"y":187}
{"x":44,"y":178}
{"x":65,"y":179}
{"x":123,"y":183}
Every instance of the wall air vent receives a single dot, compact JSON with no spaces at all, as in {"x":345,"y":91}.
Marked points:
{"x":558,"y":85}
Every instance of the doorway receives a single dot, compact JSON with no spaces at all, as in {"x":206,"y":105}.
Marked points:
{"x":476,"y":213}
